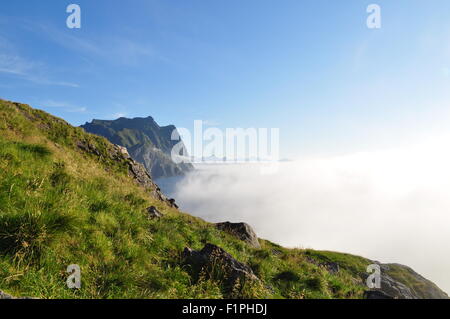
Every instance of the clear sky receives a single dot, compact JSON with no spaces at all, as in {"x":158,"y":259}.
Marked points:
{"x":311,"y":68}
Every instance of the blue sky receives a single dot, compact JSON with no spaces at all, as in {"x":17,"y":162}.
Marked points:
{"x":311,"y":68}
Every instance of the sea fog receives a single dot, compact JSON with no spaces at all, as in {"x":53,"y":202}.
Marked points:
{"x":390,"y":205}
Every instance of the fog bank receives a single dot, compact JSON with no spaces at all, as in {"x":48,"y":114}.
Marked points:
{"x":391,"y":206}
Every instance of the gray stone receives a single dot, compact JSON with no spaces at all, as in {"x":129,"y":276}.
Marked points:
{"x":153,"y":213}
{"x":4,"y":295}
{"x":417,"y":287}
{"x":124,"y":151}
{"x":242,"y":231}
{"x":172,"y":203}
{"x":212,"y":256}
{"x":332,"y":267}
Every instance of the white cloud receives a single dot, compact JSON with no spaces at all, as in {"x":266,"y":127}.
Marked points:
{"x":15,"y":65}
{"x":67,"y":107}
{"x":118,"y":50}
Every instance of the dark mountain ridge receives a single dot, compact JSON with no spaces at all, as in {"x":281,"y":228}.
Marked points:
{"x":146,"y":141}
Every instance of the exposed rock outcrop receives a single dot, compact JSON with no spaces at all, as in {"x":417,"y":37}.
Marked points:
{"x":172,"y":203}
{"x":332,"y":267}
{"x":401,"y":282}
{"x":243,"y":231}
{"x":214,"y":259}
{"x":141,"y":176}
{"x":376,"y":294}
{"x":4,"y":295}
{"x":153,"y":213}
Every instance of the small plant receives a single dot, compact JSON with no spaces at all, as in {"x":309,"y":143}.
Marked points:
{"x":25,"y":235}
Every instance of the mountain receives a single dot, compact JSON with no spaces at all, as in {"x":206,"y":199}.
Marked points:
{"x":146,"y":141}
{"x":69,"y":197}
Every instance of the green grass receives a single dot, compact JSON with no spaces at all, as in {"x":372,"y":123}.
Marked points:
{"x":60,"y":205}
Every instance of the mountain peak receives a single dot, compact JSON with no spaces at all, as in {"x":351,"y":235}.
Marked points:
{"x":147,"y":142}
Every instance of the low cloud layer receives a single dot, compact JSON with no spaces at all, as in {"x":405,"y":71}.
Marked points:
{"x":390,"y":206}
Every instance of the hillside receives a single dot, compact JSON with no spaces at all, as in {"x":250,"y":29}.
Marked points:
{"x":147,"y":142}
{"x":70,"y":197}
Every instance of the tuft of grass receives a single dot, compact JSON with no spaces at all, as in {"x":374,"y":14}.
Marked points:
{"x":24,"y":236}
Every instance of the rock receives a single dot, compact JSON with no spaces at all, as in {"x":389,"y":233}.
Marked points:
{"x":332,"y":267}
{"x":172,"y":203}
{"x":141,"y":176}
{"x":376,"y":294}
{"x":153,"y":212}
{"x":277,"y":252}
{"x":214,"y":259}
{"x":401,"y":282}
{"x":87,"y":147}
{"x":4,"y":295}
{"x":242,"y":231}
{"x":124,"y":151}
{"x":394,"y":288}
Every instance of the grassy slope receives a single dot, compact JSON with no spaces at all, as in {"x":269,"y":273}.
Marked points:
{"x":61,"y":206}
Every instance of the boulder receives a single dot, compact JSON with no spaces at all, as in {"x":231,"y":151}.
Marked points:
{"x":242,"y":231}
{"x":172,"y":203}
{"x":4,"y":295}
{"x":401,"y":282}
{"x":124,"y":151}
{"x":153,"y":213}
{"x":332,"y":267}
{"x":215,"y":260}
